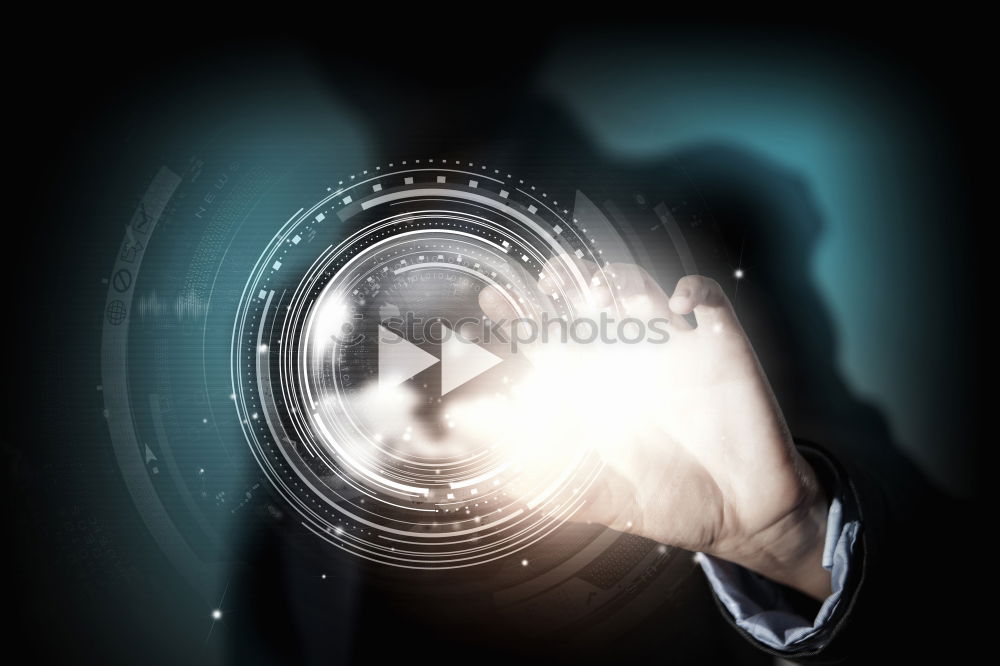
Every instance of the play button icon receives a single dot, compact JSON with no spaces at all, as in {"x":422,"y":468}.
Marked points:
{"x":461,"y":360}
{"x":399,"y":359}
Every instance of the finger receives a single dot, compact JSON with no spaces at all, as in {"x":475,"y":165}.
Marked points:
{"x":625,"y":278}
{"x":704,"y":297}
{"x":642,"y":296}
{"x":661,"y":304}
{"x":641,"y":284}
{"x":523,"y":334}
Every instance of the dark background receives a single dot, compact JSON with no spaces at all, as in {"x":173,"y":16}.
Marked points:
{"x":86,"y":582}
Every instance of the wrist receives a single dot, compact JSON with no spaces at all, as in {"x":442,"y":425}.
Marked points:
{"x":790,"y":551}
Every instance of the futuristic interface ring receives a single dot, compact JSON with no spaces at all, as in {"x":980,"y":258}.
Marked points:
{"x":350,"y":420}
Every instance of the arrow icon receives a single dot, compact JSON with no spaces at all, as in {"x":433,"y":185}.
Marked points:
{"x":461,"y":360}
{"x":399,"y":359}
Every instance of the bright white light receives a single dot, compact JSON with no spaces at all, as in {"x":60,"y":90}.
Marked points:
{"x":216,"y":614}
{"x":738,"y":274}
{"x":330,"y":318}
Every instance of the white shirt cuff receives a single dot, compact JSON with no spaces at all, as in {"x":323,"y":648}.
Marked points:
{"x":757,"y":604}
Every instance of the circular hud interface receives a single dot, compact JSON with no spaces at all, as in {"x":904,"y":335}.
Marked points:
{"x":350,"y":339}
{"x":348,"y":359}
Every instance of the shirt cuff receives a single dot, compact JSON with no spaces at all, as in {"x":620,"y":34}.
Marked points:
{"x":758,"y":605}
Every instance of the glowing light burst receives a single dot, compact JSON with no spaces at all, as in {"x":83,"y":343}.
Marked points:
{"x":422,"y":472}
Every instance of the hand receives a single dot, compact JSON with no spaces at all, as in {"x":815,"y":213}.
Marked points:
{"x":697,"y":451}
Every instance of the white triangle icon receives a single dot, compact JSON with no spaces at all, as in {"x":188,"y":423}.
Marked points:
{"x":399,"y":359}
{"x":462,"y":360}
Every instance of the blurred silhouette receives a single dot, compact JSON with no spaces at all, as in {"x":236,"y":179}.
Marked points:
{"x":736,"y":210}
{"x":102,"y":112}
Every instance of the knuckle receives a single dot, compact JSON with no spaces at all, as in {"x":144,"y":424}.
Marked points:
{"x":703,"y":283}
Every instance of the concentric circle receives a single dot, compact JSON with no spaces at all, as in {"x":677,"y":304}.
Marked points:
{"x":369,"y":459}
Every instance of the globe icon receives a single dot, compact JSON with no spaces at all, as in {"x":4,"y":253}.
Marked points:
{"x":116,"y":312}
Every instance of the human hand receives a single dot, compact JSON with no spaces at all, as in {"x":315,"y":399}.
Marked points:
{"x":696,"y":449}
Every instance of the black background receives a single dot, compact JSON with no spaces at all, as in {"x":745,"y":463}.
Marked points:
{"x":85,"y":588}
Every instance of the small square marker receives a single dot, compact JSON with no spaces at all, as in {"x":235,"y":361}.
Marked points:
{"x":408,"y":180}
{"x":377,"y":187}
{"x":320,"y":217}
{"x":504,"y":194}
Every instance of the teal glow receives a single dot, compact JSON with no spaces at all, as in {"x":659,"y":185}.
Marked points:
{"x":868,"y":163}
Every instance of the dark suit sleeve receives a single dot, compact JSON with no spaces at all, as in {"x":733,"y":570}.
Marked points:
{"x":845,"y":630}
